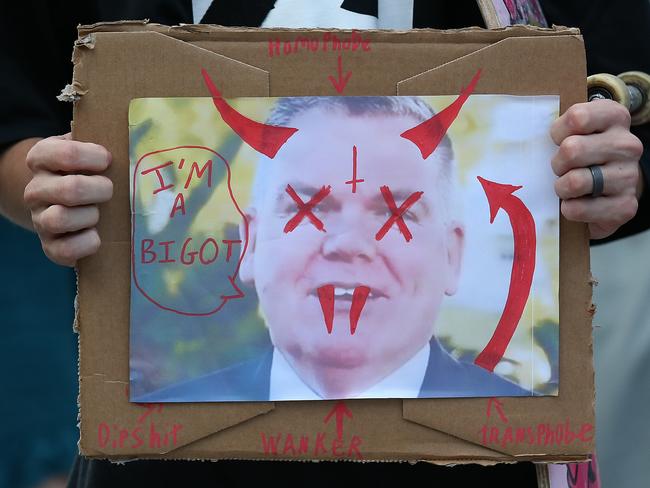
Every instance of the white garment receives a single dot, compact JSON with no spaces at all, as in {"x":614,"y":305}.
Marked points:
{"x":393,"y":14}
{"x":199,"y":8}
{"x":404,"y":382}
{"x":321,"y":13}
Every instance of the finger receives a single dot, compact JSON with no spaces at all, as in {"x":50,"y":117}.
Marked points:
{"x":59,"y":154}
{"x":600,"y":231}
{"x":581,"y":151}
{"x":68,"y":190}
{"x":69,"y":248}
{"x":58,"y":219}
{"x":619,"y":178}
{"x":606,"y":213}
{"x":589,"y":117}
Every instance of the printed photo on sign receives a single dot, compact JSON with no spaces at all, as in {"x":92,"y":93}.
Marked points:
{"x":309,"y":248}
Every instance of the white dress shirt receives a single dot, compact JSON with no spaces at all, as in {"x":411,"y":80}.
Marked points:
{"x":404,"y":382}
{"x":392,"y":14}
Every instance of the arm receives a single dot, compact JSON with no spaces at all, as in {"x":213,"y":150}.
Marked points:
{"x":59,"y":181}
{"x":30,"y":111}
{"x":641,"y":220}
{"x":14,"y":176}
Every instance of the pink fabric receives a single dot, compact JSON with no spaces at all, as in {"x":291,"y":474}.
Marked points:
{"x":575,"y":475}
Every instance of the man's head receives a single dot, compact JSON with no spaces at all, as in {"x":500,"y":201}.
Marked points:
{"x":407,"y":277}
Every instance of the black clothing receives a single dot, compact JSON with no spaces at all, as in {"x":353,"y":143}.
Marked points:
{"x":288,"y":474}
{"x":37,"y":42}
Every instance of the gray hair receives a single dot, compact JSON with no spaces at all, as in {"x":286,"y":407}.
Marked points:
{"x":286,"y":109}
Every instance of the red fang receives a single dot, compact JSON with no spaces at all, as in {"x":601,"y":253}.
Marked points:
{"x":167,"y":251}
{"x":120,"y":437}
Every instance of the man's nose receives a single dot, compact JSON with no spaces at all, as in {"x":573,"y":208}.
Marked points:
{"x":350,"y":240}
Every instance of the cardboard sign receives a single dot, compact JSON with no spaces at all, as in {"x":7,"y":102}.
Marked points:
{"x":117,"y":63}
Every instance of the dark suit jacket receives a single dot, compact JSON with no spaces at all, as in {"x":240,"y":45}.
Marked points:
{"x":250,"y":381}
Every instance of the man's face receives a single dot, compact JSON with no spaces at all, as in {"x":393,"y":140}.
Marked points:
{"x":407,"y":280}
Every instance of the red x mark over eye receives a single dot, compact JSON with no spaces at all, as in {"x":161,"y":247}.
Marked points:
{"x":396,"y":217}
{"x":305,"y":209}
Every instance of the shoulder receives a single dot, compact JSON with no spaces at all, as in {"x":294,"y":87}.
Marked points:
{"x":448,"y":377}
{"x":486,"y":383}
{"x":245,"y":381}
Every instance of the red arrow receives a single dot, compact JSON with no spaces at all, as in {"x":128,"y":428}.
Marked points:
{"x":339,"y":85}
{"x":341,"y":411}
{"x":499,"y":407}
{"x":523,"y":266}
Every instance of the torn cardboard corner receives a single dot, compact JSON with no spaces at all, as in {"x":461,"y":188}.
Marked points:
{"x":135,"y":60}
{"x":70,"y":93}
{"x":86,"y":41}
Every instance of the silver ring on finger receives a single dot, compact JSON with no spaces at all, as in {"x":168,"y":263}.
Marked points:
{"x":598,"y":180}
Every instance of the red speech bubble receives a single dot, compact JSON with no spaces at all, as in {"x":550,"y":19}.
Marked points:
{"x":209,"y":260}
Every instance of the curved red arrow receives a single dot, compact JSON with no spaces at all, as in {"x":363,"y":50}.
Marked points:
{"x":340,"y":410}
{"x":523,"y":266}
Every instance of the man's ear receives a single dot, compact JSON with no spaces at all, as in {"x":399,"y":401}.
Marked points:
{"x":455,"y":249}
{"x":247,"y":269}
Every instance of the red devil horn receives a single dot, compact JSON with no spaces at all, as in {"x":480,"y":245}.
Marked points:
{"x":427,"y":135}
{"x":267,"y":139}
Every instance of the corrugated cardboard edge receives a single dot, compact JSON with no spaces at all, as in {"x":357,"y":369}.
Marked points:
{"x":140,"y":25}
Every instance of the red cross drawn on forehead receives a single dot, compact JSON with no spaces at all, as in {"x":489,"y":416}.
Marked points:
{"x":305,"y":209}
{"x":397,"y":213}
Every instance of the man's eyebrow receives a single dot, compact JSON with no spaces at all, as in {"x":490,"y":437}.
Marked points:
{"x":304,"y":189}
{"x":399,"y":195}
